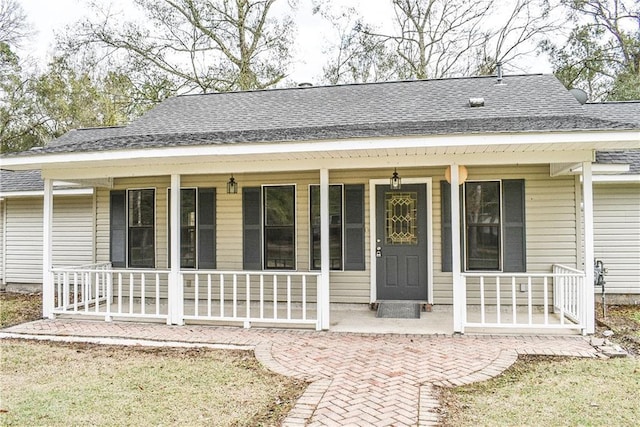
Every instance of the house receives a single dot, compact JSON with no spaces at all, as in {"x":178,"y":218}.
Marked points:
{"x":269,"y":207}
{"x":616,"y":194}
{"x":21,"y":196}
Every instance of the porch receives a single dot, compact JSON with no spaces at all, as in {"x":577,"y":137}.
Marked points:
{"x":493,"y":302}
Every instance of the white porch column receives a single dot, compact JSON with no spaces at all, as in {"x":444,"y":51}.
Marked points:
{"x":587,"y":201}
{"x":459,"y":297}
{"x":48,"y":292}
{"x":324,"y":308}
{"x":175,"y":291}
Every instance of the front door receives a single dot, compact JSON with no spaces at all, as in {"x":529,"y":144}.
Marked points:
{"x":401,"y":243}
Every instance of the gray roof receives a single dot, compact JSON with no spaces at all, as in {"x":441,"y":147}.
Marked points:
{"x":76,"y":136}
{"x":624,"y":157}
{"x":419,"y":107}
{"x":624,"y":111}
{"x":20,"y":181}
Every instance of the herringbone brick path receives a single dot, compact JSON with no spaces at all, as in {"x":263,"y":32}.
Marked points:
{"x":356,"y":379}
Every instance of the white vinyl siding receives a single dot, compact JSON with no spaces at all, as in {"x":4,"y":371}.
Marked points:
{"x":550,"y":215}
{"x":616,"y":219}
{"x":2,"y":240}
{"x":72,"y":235}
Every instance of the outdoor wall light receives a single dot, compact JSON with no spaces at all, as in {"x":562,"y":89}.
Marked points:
{"x":232,"y":186}
{"x":395,"y":182}
{"x":462,"y":174}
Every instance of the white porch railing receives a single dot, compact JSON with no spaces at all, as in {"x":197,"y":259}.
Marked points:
{"x":98,"y":290}
{"x":252,"y":297}
{"x":553,"y":300}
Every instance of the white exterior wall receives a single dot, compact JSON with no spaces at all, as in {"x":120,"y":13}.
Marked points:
{"x":550,"y":213}
{"x":617,"y":235}
{"x":2,"y":240}
{"x":72,"y":235}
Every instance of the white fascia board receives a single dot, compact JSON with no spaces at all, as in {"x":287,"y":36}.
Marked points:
{"x":58,"y":192}
{"x":616,"y":179}
{"x":604,"y":169}
{"x":591,"y":139}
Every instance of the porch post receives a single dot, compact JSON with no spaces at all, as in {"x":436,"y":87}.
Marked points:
{"x":48,"y":292}
{"x":323,"y":299}
{"x":587,"y":201}
{"x":459,"y":297}
{"x":175,"y":293}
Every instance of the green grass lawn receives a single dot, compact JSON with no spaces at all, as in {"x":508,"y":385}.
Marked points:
{"x":58,"y":384}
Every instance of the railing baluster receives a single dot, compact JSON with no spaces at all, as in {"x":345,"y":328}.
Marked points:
{"x":196,"y":295}
{"x":157,"y":294}
{"x":143,"y":285}
{"x":262,"y":296}
{"x":304,"y":297}
{"x":248,"y":302}
{"x":235,"y":296}
{"x":75,"y":291}
{"x":130,"y":293}
{"x":275,"y":296}
{"x":288,"y":297}
{"x":498,"y":297}
{"x":209,"y":294}
{"x":482,"y":314}
{"x":513,"y":299}
{"x":545,"y":297}
{"x":119,"y":293}
{"x":530,"y":300}
{"x":97,"y":299}
{"x":221,"y":295}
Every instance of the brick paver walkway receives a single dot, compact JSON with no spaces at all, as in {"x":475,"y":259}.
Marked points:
{"x":355,"y":379}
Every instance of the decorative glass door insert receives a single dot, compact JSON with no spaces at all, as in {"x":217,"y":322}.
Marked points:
{"x":401,"y":213}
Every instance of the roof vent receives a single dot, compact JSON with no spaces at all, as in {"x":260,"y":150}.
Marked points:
{"x":499,"y":73}
{"x":476,"y":102}
{"x":579,"y":94}
{"x":305,"y":84}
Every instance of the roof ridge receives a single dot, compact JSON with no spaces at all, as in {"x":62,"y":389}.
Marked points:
{"x":387,"y":82}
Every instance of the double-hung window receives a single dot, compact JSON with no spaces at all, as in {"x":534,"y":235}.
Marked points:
{"x":335,"y":226}
{"x":493,"y":235}
{"x":346,"y":227}
{"x":279,"y":227}
{"x":132,"y":228}
{"x":197,"y":228}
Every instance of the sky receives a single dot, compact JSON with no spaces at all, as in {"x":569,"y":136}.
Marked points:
{"x":47,"y":17}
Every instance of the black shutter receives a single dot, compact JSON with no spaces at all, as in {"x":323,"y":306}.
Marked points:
{"x":251,"y":229}
{"x":118,"y":228}
{"x":354,"y":227}
{"x":445,"y":210}
{"x":513,"y":215}
{"x":206,"y":228}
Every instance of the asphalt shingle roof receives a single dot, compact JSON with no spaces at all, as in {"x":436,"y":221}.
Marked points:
{"x":418,"y":107}
{"x":20,"y":181}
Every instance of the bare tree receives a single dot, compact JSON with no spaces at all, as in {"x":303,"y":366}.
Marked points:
{"x":201,"y":45}
{"x":444,"y":38}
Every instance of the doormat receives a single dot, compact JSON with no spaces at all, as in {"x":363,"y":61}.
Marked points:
{"x":398,"y":310}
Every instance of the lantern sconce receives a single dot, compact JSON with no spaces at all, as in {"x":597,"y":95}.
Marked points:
{"x":395,"y":182}
{"x":232,"y":186}
{"x":462,"y":174}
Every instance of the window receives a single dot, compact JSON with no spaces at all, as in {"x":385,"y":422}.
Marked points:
{"x":335,"y":226}
{"x":482,"y":225}
{"x":279,"y":227}
{"x":268,"y":227}
{"x":346,"y":227}
{"x":197,"y":228}
{"x":493,"y":226}
{"x":141,"y":228}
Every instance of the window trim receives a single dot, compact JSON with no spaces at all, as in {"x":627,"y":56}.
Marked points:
{"x":155,"y":227}
{"x":342,"y":226}
{"x":466,"y":269}
{"x":263,"y":200}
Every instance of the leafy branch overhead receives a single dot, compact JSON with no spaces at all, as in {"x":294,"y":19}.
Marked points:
{"x":202,"y":46}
